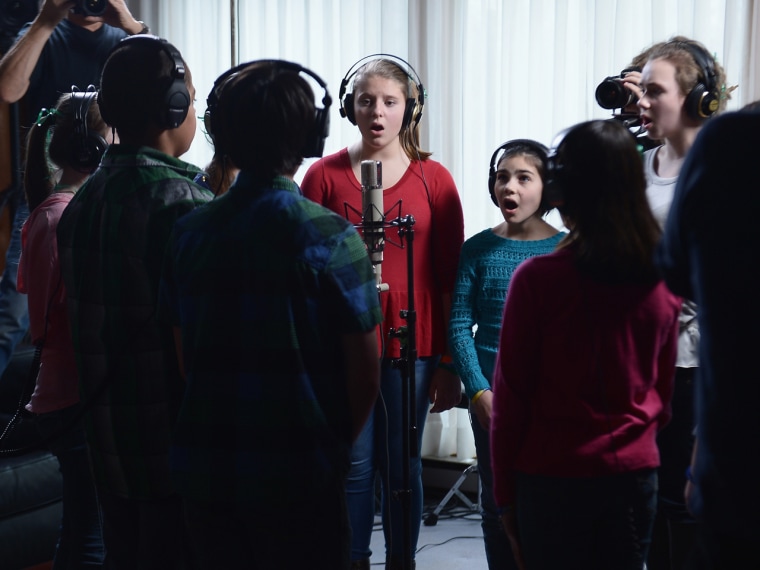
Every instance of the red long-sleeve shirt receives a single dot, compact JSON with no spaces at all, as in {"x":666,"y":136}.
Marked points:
{"x":583,"y":376}
{"x":434,"y":203}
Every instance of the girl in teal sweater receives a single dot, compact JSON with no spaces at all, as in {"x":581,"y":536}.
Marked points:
{"x":486,"y":264}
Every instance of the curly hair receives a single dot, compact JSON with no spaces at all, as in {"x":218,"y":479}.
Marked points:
{"x":679,"y":50}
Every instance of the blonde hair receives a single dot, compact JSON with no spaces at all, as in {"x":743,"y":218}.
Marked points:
{"x":387,"y":69}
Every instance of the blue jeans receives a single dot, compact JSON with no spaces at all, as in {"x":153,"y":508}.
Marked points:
{"x":594,"y":523}
{"x":498,"y":551}
{"x":14,"y":311}
{"x":379,"y":448}
{"x":80,"y":544}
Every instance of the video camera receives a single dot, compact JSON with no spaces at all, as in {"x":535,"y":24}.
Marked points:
{"x":90,"y":7}
{"x":612,"y":94}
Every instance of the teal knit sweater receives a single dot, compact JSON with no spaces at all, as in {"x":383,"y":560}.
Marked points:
{"x":486,"y":265}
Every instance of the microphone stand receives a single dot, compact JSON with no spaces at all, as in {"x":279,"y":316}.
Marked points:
{"x":407,"y":336}
{"x":373,"y":226}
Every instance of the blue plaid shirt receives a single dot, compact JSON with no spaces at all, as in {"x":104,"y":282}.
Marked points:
{"x":263,"y":284}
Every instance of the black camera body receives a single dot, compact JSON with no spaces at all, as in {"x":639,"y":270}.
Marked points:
{"x":90,"y":7}
{"x":612,"y":94}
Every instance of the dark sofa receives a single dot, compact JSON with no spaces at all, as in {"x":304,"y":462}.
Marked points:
{"x":30,"y":483}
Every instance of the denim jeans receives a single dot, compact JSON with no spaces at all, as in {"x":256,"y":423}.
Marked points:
{"x":675,"y":529}
{"x":379,"y":448}
{"x":498,"y":551}
{"x":80,"y":544}
{"x":594,"y":523}
{"x":14,"y":311}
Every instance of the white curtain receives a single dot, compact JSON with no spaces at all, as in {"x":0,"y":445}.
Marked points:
{"x":493,"y":69}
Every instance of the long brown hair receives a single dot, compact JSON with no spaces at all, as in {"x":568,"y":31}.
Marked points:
{"x":612,"y":229}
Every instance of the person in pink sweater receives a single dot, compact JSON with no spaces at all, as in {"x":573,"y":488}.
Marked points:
{"x":77,"y":140}
{"x":584,"y":370}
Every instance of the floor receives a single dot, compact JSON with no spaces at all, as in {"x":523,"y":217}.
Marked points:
{"x":454,"y":542}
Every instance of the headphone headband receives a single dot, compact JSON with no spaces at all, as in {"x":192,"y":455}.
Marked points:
{"x":176,"y":97}
{"x":704,"y":99}
{"x":539,"y":149}
{"x":315,"y":141}
{"x":86,"y":148}
{"x":536,"y":146}
{"x":703,"y":59}
{"x":213,"y":96}
{"x":346,"y":99}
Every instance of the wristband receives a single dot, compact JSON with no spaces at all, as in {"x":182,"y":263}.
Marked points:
{"x":690,"y":476}
{"x":477,"y":395}
{"x":145,"y":28}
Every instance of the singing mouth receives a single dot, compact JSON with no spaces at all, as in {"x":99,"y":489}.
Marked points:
{"x":509,"y":204}
{"x":377,"y":128}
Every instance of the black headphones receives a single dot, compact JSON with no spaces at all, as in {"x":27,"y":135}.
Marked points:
{"x":412,"y":104}
{"x":176,"y":97}
{"x":315,"y":141}
{"x":535,"y":146}
{"x":554,"y":192}
{"x":704,"y":98}
{"x":87,"y":148}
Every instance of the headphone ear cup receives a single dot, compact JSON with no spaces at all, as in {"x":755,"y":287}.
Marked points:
{"x":315,"y":142}
{"x":176,"y":104}
{"x":492,"y":186}
{"x":208,"y":124}
{"x":553,"y":194}
{"x":701,"y":103}
{"x":411,"y":105}
{"x":87,"y":151}
{"x":348,"y":108}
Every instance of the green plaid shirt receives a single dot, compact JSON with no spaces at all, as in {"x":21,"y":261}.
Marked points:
{"x":111,"y":241}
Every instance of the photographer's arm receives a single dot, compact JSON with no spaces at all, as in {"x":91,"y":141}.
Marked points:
{"x":17,"y":65}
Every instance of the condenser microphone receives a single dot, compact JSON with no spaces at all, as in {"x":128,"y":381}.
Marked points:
{"x":373,"y":216}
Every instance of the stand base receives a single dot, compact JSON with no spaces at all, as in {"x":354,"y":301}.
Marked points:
{"x":431,"y":519}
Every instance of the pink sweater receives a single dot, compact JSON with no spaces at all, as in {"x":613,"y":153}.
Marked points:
{"x":583,"y":377}
{"x":39,"y":276}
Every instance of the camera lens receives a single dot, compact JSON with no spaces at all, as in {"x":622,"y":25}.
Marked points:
{"x":610,"y":94}
{"x":92,"y":7}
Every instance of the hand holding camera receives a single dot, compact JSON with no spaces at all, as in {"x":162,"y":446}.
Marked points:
{"x":90,"y":7}
{"x":620,"y":91}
